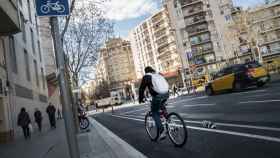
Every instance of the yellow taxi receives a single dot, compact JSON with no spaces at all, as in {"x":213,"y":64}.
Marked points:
{"x":238,"y":77}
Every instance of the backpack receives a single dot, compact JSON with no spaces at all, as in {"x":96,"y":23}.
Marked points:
{"x":160,"y":85}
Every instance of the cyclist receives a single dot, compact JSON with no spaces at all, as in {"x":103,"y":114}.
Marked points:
{"x":159,"y":90}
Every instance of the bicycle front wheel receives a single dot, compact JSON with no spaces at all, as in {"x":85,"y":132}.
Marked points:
{"x":177,"y":130}
{"x":151,"y":128}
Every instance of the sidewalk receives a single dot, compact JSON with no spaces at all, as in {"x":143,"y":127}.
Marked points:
{"x":48,"y":144}
{"x":99,"y":142}
{"x":102,"y":143}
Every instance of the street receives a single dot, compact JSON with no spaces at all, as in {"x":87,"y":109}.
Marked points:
{"x":248,"y":125}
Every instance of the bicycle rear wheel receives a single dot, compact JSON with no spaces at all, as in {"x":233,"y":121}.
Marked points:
{"x":177,"y":130}
{"x":151,"y":128}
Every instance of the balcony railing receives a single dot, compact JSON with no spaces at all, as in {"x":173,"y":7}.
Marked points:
{"x":190,"y":2}
{"x":203,"y":52}
{"x":200,"y":42}
{"x":195,"y":20}
{"x":193,"y":11}
{"x":193,"y":32}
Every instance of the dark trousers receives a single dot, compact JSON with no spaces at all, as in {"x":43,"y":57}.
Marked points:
{"x":52,"y":121}
{"x":157,"y":102}
{"x":39,"y":124}
{"x":26,"y":132}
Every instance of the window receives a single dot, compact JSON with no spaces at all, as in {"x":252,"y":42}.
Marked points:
{"x":2,"y":52}
{"x":228,"y":17}
{"x":43,"y":78}
{"x":20,"y":2}
{"x":13,"y":55}
{"x":27,"y":69}
{"x":36,"y":72}
{"x":22,"y":22}
{"x":29,"y":10}
{"x":32,"y":41}
{"x":39,"y":50}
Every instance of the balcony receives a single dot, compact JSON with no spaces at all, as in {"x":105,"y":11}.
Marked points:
{"x":200,"y":42}
{"x":190,"y":2}
{"x":270,"y":29}
{"x":203,"y":52}
{"x":197,"y":31}
{"x":256,"y":20}
{"x":195,"y":20}
{"x":193,"y":11}
{"x":9,"y":16}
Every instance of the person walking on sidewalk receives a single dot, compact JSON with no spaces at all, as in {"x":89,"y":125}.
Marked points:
{"x":51,"y":113}
{"x":59,"y":115}
{"x":23,"y":122}
{"x":38,"y":118}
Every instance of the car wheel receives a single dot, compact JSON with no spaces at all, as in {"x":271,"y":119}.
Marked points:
{"x":209,"y":91}
{"x":238,"y":87}
{"x":260,"y":84}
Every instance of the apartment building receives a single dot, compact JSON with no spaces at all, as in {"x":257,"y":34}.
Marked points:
{"x":24,"y":83}
{"x":49,"y":61}
{"x":119,"y":66}
{"x":239,"y":36}
{"x":153,"y":44}
{"x":10,"y":25}
{"x":101,"y":70}
{"x":200,"y":32}
{"x":264,"y":24}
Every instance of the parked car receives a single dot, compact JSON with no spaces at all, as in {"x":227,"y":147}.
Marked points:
{"x":238,"y":77}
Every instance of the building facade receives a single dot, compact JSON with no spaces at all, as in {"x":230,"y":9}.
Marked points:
{"x":118,"y":67}
{"x":239,"y":34}
{"x":25,"y":83}
{"x":49,"y":61}
{"x":264,"y":25}
{"x":153,"y":44}
{"x":10,"y":25}
{"x":200,"y":33}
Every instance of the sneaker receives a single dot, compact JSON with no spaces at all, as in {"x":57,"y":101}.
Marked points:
{"x":162,"y":135}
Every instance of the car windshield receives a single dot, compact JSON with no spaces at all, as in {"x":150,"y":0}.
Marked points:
{"x":253,"y":65}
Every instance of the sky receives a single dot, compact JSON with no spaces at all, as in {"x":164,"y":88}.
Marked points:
{"x":126,"y":14}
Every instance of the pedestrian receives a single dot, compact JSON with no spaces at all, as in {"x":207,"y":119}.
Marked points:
{"x":175,"y":90}
{"x":51,"y":113}
{"x":133,"y":97}
{"x":38,"y":118}
{"x":59,"y":116}
{"x":23,"y":122}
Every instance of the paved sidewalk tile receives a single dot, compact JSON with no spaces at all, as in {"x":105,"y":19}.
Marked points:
{"x":102,"y":143}
{"x":48,"y":144}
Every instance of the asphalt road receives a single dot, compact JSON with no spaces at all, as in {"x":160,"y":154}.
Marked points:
{"x":248,"y":125}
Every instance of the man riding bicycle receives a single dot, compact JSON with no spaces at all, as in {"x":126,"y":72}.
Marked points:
{"x":159,"y":90}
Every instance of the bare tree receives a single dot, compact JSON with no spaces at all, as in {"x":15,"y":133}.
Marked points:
{"x":86,"y":31}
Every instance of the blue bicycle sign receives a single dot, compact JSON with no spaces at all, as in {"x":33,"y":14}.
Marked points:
{"x":52,"y":7}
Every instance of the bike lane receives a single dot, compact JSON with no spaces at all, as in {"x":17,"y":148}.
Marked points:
{"x":200,"y":143}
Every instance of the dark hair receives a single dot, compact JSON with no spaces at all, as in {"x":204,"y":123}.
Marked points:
{"x":149,"y":69}
{"x":22,"y":110}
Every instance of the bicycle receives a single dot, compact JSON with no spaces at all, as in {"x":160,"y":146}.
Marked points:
{"x":172,"y":122}
{"x":46,"y":8}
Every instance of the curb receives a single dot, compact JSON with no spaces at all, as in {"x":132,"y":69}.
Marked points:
{"x":121,"y":148}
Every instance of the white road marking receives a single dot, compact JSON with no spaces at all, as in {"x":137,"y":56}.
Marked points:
{"x":225,"y":124}
{"x":185,"y":100}
{"x":170,"y":106}
{"x":258,"y":95}
{"x":128,"y":112}
{"x":241,"y":134}
{"x":114,"y":141}
{"x":255,"y":91}
{"x":199,"y":105}
{"x":259,"y":101}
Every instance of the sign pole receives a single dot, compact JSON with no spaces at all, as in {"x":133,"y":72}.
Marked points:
{"x":65,"y":96}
